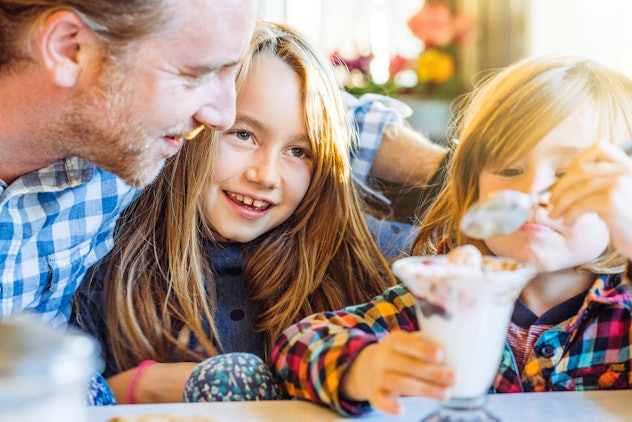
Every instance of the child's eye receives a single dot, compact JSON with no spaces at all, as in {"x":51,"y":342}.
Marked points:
{"x":560,"y":174}
{"x":243,"y":135}
{"x":298,"y":152}
{"x":509,"y":172}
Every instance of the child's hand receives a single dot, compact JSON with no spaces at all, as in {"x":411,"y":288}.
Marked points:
{"x":600,"y":181}
{"x":403,"y":364}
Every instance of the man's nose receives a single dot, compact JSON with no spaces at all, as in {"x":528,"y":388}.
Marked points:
{"x":218,"y":111}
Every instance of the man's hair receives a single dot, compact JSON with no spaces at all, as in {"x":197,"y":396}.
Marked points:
{"x":116,"y":22}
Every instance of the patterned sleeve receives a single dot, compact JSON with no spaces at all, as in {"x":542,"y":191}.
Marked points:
{"x":312,"y":356}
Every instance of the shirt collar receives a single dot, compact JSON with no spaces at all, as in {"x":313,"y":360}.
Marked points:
{"x":62,"y":174}
{"x":607,"y":290}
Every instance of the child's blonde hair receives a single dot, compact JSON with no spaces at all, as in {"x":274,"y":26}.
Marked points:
{"x":507,"y":114}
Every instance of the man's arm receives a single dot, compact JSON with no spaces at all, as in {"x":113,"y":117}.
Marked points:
{"x":387,"y":148}
{"x":406,"y":157}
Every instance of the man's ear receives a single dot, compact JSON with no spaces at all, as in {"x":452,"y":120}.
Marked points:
{"x":66,"y":45}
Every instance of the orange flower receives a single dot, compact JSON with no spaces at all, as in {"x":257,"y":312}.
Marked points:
{"x":433,"y":24}
{"x":434,"y":66}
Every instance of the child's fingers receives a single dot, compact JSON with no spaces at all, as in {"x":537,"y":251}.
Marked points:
{"x":406,"y":384}
{"x":601,"y":151}
{"x":580,"y":188}
{"x":601,"y":158}
{"x":416,"y":346}
{"x":594,"y":162}
{"x":411,"y":355}
{"x":420,"y":370}
{"x":386,"y":402}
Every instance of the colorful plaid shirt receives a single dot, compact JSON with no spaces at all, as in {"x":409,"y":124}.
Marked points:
{"x":590,"y":351}
{"x":54,"y":224}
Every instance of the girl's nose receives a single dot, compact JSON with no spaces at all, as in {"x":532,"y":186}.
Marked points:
{"x":536,"y":183}
{"x":263,"y":171}
{"x":539,"y":186}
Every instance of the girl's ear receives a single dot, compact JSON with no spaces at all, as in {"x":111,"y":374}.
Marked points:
{"x":67,"y":45}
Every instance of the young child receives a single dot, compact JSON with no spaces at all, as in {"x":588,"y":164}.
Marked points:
{"x":244,"y":233}
{"x":539,"y":121}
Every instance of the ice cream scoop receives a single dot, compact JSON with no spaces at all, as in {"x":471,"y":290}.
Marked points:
{"x":501,"y":213}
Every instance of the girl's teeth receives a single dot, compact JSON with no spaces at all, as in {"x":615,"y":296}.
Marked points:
{"x":257,"y":203}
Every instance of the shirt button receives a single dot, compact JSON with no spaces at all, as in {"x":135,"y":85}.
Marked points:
{"x":237,"y":315}
{"x":547,"y":351}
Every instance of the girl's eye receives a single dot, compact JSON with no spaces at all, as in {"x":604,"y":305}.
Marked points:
{"x":560,"y":174}
{"x":298,"y":152}
{"x":509,"y":172}
{"x":243,"y":135}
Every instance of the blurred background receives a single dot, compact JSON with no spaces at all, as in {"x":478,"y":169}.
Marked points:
{"x":428,"y":52}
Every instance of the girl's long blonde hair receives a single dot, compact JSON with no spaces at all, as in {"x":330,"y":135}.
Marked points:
{"x":160,"y":287}
{"x":505,"y":117}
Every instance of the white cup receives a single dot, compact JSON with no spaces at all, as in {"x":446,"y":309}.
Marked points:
{"x":44,"y":372}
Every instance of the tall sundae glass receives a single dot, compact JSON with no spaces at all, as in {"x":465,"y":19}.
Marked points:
{"x":464,"y":302}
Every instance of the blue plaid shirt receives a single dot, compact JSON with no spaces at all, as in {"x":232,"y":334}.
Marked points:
{"x":54,"y":224}
{"x":372,"y":114}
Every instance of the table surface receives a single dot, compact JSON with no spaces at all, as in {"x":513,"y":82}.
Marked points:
{"x":600,"y":406}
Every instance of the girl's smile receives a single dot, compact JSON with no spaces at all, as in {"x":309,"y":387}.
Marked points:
{"x":249,"y":201}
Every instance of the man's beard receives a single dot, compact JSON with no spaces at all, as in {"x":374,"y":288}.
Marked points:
{"x":103,"y":129}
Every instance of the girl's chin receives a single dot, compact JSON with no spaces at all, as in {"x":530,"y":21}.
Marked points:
{"x":532,"y":258}
{"x":224,"y":238}
{"x":235,"y":238}
{"x":557,"y":267}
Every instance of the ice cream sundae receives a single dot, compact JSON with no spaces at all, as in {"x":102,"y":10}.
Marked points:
{"x":464,"y":302}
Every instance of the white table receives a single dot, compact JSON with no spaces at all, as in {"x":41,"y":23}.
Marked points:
{"x":599,"y":406}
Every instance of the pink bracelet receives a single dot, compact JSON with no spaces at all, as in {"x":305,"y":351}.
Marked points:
{"x":133,"y":384}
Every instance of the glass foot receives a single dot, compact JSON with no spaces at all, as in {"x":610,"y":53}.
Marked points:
{"x":462,"y":410}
